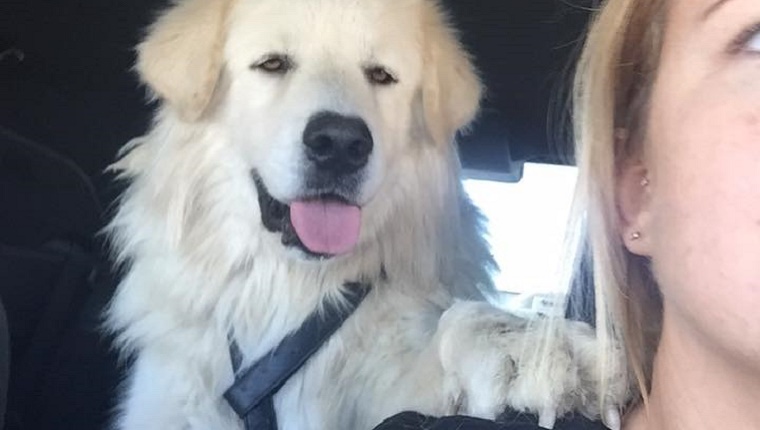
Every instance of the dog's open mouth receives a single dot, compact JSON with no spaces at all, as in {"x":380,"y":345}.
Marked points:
{"x":325,"y":225}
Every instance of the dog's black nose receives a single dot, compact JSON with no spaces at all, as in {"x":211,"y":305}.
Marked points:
{"x":337,"y":143}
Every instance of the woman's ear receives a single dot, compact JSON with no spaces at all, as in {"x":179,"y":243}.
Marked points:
{"x":451,"y":89}
{"x":633,"y":199}
{"x":181,"y":57}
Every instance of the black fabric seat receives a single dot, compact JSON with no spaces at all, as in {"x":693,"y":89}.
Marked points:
{"x":53,"y":289}
{"x":4,"y":363}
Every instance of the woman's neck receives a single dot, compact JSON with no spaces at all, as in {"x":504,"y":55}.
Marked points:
{"x":696,"y":385}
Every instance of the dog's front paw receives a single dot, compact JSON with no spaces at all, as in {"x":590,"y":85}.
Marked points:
{"x":493,"y":360}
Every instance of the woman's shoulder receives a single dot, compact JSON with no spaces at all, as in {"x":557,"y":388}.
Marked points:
{"x":509,"y":421}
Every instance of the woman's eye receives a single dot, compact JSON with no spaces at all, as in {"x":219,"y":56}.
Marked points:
{"x":278,"y":64}
{"x":753,"y":44}
{"x":748,"y":41}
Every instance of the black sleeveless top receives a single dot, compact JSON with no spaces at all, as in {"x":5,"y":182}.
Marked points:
{"x":508,"y":421}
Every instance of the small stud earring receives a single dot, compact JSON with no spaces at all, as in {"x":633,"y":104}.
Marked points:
{"x":635,"y":235}
{"x":645,"y":182}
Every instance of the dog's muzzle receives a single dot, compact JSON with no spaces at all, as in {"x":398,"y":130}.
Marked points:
{"x":320,"y":226}
{"x":336,"y":147}
{"x":324,"y":221}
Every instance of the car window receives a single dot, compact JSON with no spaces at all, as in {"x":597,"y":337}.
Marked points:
{"x":527,"y":225}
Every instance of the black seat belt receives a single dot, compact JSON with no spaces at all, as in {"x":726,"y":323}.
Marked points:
{"x":251,"y":395}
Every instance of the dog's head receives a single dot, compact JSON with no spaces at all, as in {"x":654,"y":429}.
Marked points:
{"x":321,"y":98}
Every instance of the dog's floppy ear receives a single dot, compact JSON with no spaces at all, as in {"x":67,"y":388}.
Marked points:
{"x":181,"y":57}
{"x":451,"y":88}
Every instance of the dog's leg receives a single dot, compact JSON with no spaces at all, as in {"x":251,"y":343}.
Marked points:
{"x":164,"y":394}
{"x":483,"y":351}
{"x":151,"y":401}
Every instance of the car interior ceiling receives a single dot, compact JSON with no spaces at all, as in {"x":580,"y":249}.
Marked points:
{"x":68,"y":102}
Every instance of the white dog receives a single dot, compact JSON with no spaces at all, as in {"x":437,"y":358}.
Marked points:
{"x":302,"y":146}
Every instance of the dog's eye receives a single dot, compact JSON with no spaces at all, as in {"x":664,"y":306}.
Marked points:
{"x":275,"y":64}
{"x":378,"y":75}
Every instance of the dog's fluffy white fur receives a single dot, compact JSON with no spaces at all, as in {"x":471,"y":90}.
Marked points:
{"x":199,"y":265}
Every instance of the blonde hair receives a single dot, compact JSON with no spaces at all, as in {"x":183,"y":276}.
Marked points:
{"x":612,"y":88}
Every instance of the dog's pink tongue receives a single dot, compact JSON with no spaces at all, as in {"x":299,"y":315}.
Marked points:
{"x":326,"y":227}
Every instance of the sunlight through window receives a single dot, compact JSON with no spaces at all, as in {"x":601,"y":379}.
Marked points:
{"x":527,"y":223}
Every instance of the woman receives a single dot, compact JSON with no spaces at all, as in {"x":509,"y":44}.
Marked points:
{"x":667,"y":113}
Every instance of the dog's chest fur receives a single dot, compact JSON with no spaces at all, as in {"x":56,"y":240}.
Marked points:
{"x":346,"y":385}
